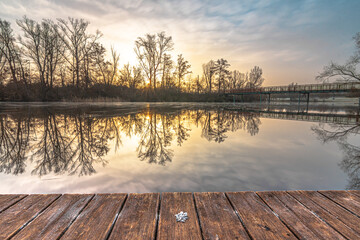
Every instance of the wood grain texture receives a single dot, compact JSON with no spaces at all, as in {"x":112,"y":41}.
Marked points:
{"x":9,"y":199}
{"x":96,"y":220}
{"x":355,"y":192}
{"x":138,"y":217}
{"x":345,"y":199}
{"x":218,"y":219}
{"x":337,"y":217}
{"x":238,"y":215}
{"x":303,"y":223}
{"x":20,"y":214}
{"x":169,"y":228}
{"x":56,"y":218}
{"x":258,"y":218}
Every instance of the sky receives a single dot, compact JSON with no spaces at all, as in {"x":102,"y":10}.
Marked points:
{"x":290,"y":40}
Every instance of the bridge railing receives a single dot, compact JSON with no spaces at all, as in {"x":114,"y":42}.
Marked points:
{"x":306,"y":87}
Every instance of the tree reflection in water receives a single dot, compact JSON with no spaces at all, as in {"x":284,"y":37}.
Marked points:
{"x":341,"y":133}
{"x":71,"y":141}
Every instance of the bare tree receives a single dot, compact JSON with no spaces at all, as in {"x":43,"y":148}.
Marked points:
{"x":43,"y":46}
{"x":108,"y":71}
{"x":125,"y":75}
{"x":167,"y":66}
{"x":115,"y":57}
{"x":221,"y":70}
{"x":138,"y":78}
{"x":78,"y":44}
{"x":198,"y":84}
{"x":95,"y":60}
{"x":182,"y":68}
{"x":346,"y":72}
{"x":3,"y":69}
{"x":132,"y":78}
{"x":255,"y":78}
{"x":10,"y":51}
{"x":150,"y":51}
{"x":236,"y":79}
{"x":209,"y":72}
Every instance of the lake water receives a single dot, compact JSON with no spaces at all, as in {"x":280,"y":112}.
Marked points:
{"x":161,"y":147}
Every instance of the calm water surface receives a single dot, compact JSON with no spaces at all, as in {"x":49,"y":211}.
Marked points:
{"x":128,"y":147}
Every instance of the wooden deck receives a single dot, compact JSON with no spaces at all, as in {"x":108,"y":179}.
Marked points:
{"x":233,"y":215}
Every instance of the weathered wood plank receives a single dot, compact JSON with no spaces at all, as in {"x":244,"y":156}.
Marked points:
{"x":218,"y":219}
{"x":298,"y":218}
{"x":171,"y":204}
{"x":337,"y":217}
{"x":308,"y":214}
{"x":95,"y":221}
{"x":20,"y":214}
{"x":355,"y":192}
{"x":258,"y":218}
{"x":341,"y":213}
{"x":345,"y":199}
{"x":9,"y":199}
{"x":138,"y":217}
{"x":56,"y":218}
{"x":318,"y":226}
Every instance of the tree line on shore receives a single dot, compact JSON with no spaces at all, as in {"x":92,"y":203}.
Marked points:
{"x":61,"y":60}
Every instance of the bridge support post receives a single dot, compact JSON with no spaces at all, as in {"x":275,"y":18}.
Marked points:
{"x":260,"y":98}
{"x":307,"y":102}
{"x":308,"y":98}
{"x":233,"y":98}
{"x":269,"y":98}
{"x":299,"y":98}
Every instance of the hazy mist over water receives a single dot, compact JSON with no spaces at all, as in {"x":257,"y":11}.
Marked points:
{"x":166,"y":147}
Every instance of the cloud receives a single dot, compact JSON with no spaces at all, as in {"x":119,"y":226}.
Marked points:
{"x":277,"y":35}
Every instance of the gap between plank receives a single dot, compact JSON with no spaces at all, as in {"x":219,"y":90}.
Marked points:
{"x":157,"y":217}
{"x":339,"y":204}
{"x":63,"y":232}
{"x":13,"y":203}
{"x":116,"y":218}
{"x":239,"y":217}
{"x":357,"y":194}
{"x":197,"y":215}
{"x":277,"y":215}
{"x":36,"y":215}
{"x":316,"y":215}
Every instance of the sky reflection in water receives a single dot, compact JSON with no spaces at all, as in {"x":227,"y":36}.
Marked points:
{"x":85,"y":148}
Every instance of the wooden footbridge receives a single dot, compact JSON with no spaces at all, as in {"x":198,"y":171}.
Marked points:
{"x":232,"y":215}
{"x":305,"y":89}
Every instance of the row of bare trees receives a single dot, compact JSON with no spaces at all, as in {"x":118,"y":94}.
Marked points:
{"x":58,"y":53}
{"x":216,"y":74}
{"x":62,"y":54}
{"x":154,"y":54}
